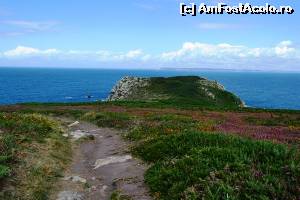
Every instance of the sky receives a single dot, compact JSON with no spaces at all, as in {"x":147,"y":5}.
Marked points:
{"x":148,"y":34}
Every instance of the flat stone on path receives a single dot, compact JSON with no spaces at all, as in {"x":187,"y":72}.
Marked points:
{"x":111,"y":160}
{"x":69,"y":195}
{"x":73,"y":124}
{"x":75,"y":179}
{"x":79,"y":134}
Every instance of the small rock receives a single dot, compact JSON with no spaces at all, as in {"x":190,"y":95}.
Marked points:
{"x":69,"y":195}
{"x":65,"y":135}
{"x":111,"y":160}
{"x":102,"y":191}
{"x":93,"y":188}
{"x":75,"y":179}
{"x":210,"y":94}
{"x":79,"y":134}
{"x":73,"y":124}
{"x":95,"y":130}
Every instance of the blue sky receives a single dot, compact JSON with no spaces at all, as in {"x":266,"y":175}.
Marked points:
{"x":145,"y":34}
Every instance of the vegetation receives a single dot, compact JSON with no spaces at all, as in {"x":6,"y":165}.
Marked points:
{"x":108,"y":119}
{"x":276,"y":120}
{"x":190,"y":90}
{"x":33,"y":154}
{"x":197,"y":165}
{"x":161,"y":104}
{"x":117,"y":195}
{"x":190,"y":160}
{"x":166,"y":124}
{"x":199,"y":146}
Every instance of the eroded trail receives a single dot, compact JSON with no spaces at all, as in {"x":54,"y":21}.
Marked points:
{"x":101,"y":166}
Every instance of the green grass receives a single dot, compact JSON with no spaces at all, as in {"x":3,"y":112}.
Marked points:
{"x":187,"y":90}
{"x":46,"y":110}
{"x":198,"y":165}
{"x":154,"y":104}
{"x":33,"y":154}
{"x":167,"y":124}
{"x":109,"y":119}
{"x":117,"y":195}
{"x":157,"y":125}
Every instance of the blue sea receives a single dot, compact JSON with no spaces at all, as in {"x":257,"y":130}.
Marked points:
{"x":256,"y":89}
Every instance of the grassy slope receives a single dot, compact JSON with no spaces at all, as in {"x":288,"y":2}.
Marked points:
{"x":33,"y":155}
{"x":183,"y":90}
{"x":186,"y":90}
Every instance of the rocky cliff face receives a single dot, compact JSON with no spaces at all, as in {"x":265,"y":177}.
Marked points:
{"x":125,"y":88}
{"x":214,"y":84}
{"x":181,"y":89}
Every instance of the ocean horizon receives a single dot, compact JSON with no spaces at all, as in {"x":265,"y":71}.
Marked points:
{"x":276,"y":90}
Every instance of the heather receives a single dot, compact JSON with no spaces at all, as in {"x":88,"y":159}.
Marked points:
{"x":33,"y":154}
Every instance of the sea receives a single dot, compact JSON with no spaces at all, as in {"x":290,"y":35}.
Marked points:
{"x":257,"y":89}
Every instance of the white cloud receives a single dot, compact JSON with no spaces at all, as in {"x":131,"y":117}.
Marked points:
{"x":22,"y":51}
{"x":284,"y":48}
{"x":196,"y":50}
{"x":10,"y":33}
{"x":134,"y":53}
{"x":102,"y":55}
{"x":31,"y":25}
{"x":282,"y":56}
{"x":191,"y":50}
{"x":21,"y":27}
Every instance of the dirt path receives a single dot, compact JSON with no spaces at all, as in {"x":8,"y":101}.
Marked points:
{"x":101,"y":167}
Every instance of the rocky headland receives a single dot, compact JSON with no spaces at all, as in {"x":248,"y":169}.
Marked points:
{"x":191,"y":89}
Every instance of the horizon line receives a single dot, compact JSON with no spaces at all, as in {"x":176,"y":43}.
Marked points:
{"x":153,"y":69}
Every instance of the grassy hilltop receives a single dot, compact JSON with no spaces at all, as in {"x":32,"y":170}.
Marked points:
{"x":196,"y":149}
{"x":188,"y":90}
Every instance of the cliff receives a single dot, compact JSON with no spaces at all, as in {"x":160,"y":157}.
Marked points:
{"x":181,"y":89}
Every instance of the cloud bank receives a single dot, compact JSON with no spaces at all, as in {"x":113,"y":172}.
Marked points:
{"x":283,"y":56}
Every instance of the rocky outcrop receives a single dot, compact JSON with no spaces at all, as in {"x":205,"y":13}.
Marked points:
{"x":126,"y":86}
{"x":209,"y":83}
{"x":206,"y":85}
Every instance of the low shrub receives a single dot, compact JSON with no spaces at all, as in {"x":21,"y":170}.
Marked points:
{"x":198,"y":165}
